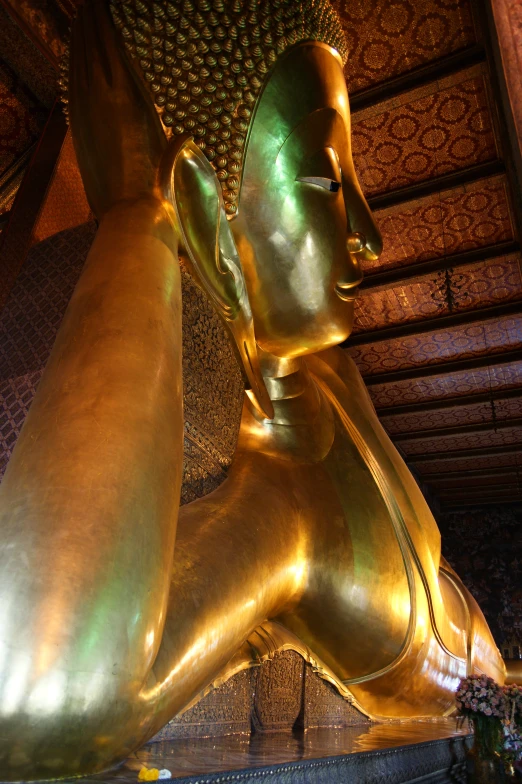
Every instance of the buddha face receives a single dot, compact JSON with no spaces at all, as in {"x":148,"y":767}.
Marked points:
{"x":303,"y":226}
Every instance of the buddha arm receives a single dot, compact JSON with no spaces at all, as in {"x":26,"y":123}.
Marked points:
{"x":89,"y":502}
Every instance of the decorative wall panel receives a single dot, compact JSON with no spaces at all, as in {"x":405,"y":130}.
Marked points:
{"x":433,"y":348}
{"x":29,"y":323}
{"x":464,"y":218}
{"x":278,"y":693}
{"x":469,"y":287}
{"x":495,"y":410}
{"x":45,"y":21}
{"x":212,"y":395}
{"x":20,"y":54}
{"x":442,"y":127}
{"x":212,"y":383}
{"x":66,"y":203}
{"x":35,"y":308}
{"x":464,"y":382}
{"x":390,"y":37}
{"x":21,"y":119}
{"x":322,"y":707}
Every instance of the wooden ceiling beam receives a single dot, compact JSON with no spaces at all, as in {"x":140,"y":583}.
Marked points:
{"x":508,"y":481}
{"x":473,"y":473}
{"x":458,"y":430}
{"x":447,"y":507}
{"x":463,"y":401}
{"x":487,"y":490}
{"x":445,"y":182}
{"x":434,"y":324}
{"x":400,"y":275}
{"x":510,"y":485}
{"x":512,"y":493}
{"x":434,"y":70}
{"x":456,"y":454}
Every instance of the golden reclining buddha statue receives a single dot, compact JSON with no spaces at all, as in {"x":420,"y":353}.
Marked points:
{"x":219,"y":128}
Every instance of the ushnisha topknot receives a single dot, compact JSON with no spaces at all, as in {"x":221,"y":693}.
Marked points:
{"x":206,"y":61}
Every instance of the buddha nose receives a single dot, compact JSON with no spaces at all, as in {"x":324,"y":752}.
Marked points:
{"x":355,"y":242}
{"x":353,"y":274}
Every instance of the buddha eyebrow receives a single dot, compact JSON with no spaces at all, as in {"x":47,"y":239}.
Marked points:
{"x":315,"y":118}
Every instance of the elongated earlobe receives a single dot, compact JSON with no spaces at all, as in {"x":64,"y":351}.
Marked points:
{"x":191,"y":186}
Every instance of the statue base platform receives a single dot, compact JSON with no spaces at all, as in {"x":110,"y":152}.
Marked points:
{"x":412,"y":751}
{"x":281,"y":723}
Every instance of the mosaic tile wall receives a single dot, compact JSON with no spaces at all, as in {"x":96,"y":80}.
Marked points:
{"x":484,"y":546}
{"x":65,"y":203}
{"x":46,"y":22}
{"x":20,"y":54}
{"x":212,"y":382}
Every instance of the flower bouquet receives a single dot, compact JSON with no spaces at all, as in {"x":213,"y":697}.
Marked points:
{"x":484,"y":703}
{"x":512,"y":724}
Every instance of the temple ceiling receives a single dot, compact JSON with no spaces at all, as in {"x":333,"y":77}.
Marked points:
{"x":438,"y":329}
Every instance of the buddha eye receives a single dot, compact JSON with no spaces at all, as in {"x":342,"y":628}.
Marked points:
{"x":322,"y":182}
{"x":327,"y":172}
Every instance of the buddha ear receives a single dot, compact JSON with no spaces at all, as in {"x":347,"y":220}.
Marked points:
{"x":193,"y":189}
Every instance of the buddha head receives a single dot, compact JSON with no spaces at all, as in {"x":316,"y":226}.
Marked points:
{"x":272,"y":219}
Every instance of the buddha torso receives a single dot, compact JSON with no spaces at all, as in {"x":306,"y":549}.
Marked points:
{"x":359,"y":538}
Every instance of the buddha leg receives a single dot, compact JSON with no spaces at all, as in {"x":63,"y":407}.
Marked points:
{"x":88,"y":506}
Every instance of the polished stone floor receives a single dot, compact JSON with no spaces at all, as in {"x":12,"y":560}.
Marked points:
{"x":203,"y":756}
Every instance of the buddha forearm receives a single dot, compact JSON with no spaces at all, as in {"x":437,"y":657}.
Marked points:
{"x":89,"y":503}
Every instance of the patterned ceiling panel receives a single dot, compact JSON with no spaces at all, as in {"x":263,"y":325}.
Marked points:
{"x":464,"y":382}
{"x":442,"y":127}
{"x":432,"y":348}
{"x":390,"y":37}
{"x":453,"y":221}
{"x":421,"y":446}
{"x":440,"y":293}
{"x":451,"y":417}
{"x":467,"y":464}
{"x":21,"y":118}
